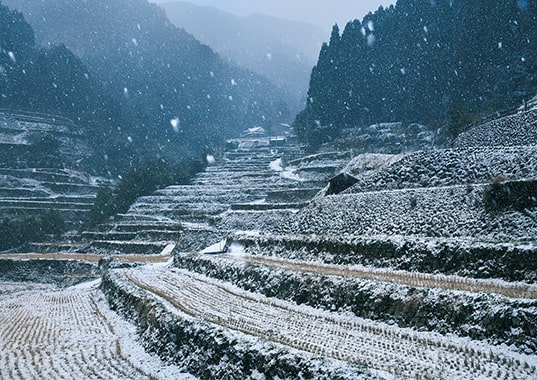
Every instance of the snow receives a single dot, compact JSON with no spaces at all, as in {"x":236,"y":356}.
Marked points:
{"x":418,"y":205}
{"x":276,"y":165}
{"x":399,"y":352}
{"x":215,"y":248}
{"x":175,"y":123}
{"x":168,"y":249}
{"x":287,"y":172}
{"x":74,"y":334}
{"x":519,"y":129}
{"x":87,"y":285}
{"x":236,"y":249}
{"x":371,"y":40}
{"x":210,"y":159}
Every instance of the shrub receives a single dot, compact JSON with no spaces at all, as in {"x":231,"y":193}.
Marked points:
{"x":140,"y":181}
{"x":103,"y":207}
{"x":516,"y":195}
{"x":15,"y":233}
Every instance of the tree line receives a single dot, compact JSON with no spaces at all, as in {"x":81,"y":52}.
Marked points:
{"x":441,"y":63}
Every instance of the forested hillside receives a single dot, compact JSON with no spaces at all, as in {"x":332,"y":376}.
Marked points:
{"x":440,"y":63}
{"x":50,"y":80}
{"x":283,"y":51}
{"x":173,"y":94}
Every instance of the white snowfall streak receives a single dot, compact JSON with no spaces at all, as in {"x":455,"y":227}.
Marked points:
{"x":70,"y":334}
{"x":380,"y":347}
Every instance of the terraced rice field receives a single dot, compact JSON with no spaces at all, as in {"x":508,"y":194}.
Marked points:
{"x":69,"y":334}
{"x":380,"y":347}
{"x":91,"y":258}
{"x":422,"y":280}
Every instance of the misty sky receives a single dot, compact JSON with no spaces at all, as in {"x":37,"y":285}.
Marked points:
{"x":321,"y":12}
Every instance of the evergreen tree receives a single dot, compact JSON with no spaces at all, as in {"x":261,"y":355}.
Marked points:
{"x":421,"y":60}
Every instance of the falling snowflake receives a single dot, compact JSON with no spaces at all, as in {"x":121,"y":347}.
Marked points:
{"x":371,"y":40}
{"x":210,"y":159}
{"x":175,"y":124}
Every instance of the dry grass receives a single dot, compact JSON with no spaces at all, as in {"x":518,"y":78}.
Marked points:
{"x":91,"y":258}
{"x":423,"y":280}
{"x":401,"y":352}
{"x":59,"y":335}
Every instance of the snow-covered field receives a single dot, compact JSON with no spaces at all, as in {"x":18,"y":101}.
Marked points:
{"x":405,"y":275}
{"x":50,"y":333}
{"x":381,"y":348}
{"x":446,"y":167}
{"x":512,"y":130}
{"x":30,"y":183}
{"x":494,"y":311}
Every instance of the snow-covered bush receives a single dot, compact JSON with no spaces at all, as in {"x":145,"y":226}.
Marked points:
{"x":517,"y":195}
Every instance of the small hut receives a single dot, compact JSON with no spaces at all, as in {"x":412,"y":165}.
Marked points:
{"x":340,"y":182}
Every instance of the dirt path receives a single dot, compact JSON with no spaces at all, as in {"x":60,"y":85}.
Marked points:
{"x":91,"y":258}
{"x":400,"y":352}
{"x":423,"y":280}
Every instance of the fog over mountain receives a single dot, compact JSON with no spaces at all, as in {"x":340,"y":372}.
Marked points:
{"x":281,"y":50}
{"x":175,"y":94}
{"x":324,"y":13}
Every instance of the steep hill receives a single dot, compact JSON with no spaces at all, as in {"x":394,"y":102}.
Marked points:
{"x":175,"y":94}
{"x":405,"y":280}
{"x":281,"y":50}
{"x":42,"y":173}
{"x":44,"y":187}
{"x":419,"y":62}
{"x":51,"y":80}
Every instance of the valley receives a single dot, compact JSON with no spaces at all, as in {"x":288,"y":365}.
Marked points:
{"x":170,"y":211}
{"x":236,"y":265}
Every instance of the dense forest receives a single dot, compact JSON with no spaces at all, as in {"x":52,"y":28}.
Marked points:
{"x":440,"y":63}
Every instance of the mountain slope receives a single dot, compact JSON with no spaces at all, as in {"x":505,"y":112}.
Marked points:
{"x":51,"y":80}
{"x":432,"y":62}
{"x":175,"y":94}
{"x":283,"y":51}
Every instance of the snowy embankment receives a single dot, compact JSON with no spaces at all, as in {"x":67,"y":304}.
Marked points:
{"x":40,"y":169}
{"x":201,"y":346}
{"x":451,"y":256}
{"x":70,"y":334}
{"x":50,"y":271}
{"x":443,"y":212}
{"x":403,"y":299}
{"x":196,"y":319}
{"x":512,"y":130}
{"x":448,"y":167}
